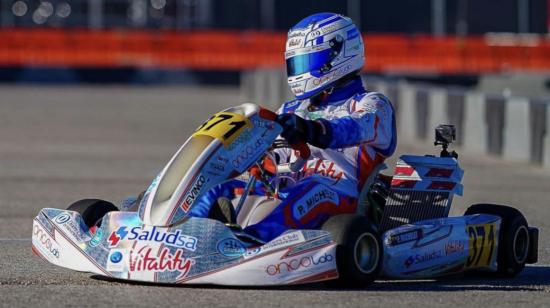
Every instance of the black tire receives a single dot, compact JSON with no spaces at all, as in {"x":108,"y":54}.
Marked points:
{"x":355,"y":236}
{"x":513,"y":240}
{"x":92,"y":210}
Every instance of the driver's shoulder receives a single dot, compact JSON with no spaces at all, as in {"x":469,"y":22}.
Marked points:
{"x":372,"y":96}
{"x":371,"y":101}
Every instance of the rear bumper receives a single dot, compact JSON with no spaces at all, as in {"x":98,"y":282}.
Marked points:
{"x":533,"y":256}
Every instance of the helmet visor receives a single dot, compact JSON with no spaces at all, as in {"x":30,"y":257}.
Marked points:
{"x":308,"y":62}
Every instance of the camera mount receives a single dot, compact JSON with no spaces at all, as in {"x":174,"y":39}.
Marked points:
{"x":445,"y":134}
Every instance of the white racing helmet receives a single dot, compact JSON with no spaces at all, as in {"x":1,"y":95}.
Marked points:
{"x":320,"y":50}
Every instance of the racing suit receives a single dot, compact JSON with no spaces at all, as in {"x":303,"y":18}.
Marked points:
{"x":363,"y":134}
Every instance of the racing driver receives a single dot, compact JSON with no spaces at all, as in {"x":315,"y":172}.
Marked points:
{"x":350,"y":130}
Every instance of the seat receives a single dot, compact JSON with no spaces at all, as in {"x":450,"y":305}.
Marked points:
{"x":362,"y":199}
{"x":255,"y":209}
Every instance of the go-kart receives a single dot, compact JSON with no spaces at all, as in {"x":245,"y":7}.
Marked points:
{"x":401,"y":228}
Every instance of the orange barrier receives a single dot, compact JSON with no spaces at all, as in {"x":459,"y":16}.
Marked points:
{"x":232,"y":50}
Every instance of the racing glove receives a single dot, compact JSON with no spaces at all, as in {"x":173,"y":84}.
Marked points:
{"x":297,"y":129}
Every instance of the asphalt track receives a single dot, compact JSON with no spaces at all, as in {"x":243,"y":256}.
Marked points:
{"x":60,"y":144}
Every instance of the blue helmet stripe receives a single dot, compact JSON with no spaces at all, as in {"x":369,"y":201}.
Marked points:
{"x":353,"y":33}
{"x":331,"y":21}
{"x":304,"y":23}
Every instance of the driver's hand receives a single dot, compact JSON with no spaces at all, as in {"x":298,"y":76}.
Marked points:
{"x":297,"y":129}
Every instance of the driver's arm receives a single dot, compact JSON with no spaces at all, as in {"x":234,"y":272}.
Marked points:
{"x":370,"y":121}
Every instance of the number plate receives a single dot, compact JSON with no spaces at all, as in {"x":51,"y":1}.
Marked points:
{"x":482,"y":245}
{"x":225,"y":126}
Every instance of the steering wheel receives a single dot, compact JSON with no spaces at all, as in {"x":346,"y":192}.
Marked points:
{"x":301,"y":147}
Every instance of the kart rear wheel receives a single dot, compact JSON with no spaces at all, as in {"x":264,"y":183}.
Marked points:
{"x":513,"y":241}
{"x":358,"y":250}
{"x":92,"y":210}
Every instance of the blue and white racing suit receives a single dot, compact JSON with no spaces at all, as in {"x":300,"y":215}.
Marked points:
{"x":363,"y":135}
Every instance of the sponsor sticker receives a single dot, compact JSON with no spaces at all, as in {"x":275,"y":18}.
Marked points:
{"x":147,"y":259}
{"x":72,"y":227}
{"x":284,"y":240}
{"x":423,"y":258}
{"x":225,"y":126}
{"x":314,"y":34}
{"x":312,"y":199}
{"x":217,"y":166}
{"x":231,"y":247}
{"x":116,"y":260}
{"x":248,"y":153}
{"x":330,"y":28}
{"x":264,"y":124}
{"x":62,"y":218}
{"x":331,"y":75}
{"x":45,"y":241}
{"x":252,"y":252}
{"x":405,"y":237}
{"x":159,"y":235}
{"x":97,"y":238}
{"x":482,"y":244}
{"x":323,"y":168}
{"x":294,"y":42}
{"x":300,"y":263}
{"x":297,"y":88}
{"x":294,"y":34}
{"x":194,"y":192}
{"x":453,"y":247}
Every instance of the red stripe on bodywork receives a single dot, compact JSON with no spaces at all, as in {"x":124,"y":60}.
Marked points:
{"x":442,"y":185}
{"x":330,"y":274}
{"x":367,"y":165}
{"x":404,"y":170}
{"x":397,"y":183}
{"x":36,"y":252}
{"x":439,"y":172}
{"x":347,"y":206}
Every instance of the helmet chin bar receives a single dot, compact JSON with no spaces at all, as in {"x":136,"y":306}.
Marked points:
{"x":320,"y":97}
{"x":323,"y":95}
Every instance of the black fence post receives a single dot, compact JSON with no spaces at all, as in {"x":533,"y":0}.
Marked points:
{"x":455,"y":112}
{"x":538,"y":119}
{"x":494,"y":113}
{"x":422,"y":112}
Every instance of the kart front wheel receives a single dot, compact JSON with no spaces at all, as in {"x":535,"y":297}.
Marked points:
{"x":92,"y":210}
{"x":514,"y":238}
{"x":358,"y":250}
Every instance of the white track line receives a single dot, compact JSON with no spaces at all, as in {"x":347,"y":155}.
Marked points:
{"x":3,"y":239}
